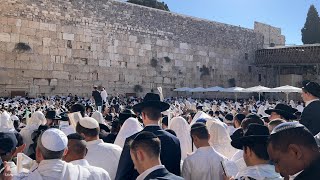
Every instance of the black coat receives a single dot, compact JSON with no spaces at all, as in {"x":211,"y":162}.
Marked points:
{"x":310,"y":173}
{"x":170,"y":154}
{"x":311,"y":117}
{"x":162,"y":174}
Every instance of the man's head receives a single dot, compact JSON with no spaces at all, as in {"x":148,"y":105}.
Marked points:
{"x":8,"y":144}
{"x":88,"y":128}
{"x":199,"y":134}
{"x":78,"y":108}
{"x":272,"y":124}
{"x":291,"y":148}
{"x":145,"y":151}
{"x":52,"y":144}
{"x":281,"y":111}
{"x":310,"y":91}
{"x":164,"y":122}
{"x":77,"y":148}
{"x":151,"y":113}
{"x":238,"y":120}
{"x":251,"y":119}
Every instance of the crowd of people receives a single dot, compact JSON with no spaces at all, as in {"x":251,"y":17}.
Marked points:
{"x":124,"y":138}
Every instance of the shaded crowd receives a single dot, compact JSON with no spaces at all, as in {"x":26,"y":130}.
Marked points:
{"x":146,"y":138}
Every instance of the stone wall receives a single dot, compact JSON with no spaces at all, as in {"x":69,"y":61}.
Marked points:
{"x":78,"y":43}
{"x":272,"y":35}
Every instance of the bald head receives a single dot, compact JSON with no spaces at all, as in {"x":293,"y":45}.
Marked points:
{"x":77,"y":148}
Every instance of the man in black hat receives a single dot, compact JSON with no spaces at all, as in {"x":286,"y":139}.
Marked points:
{"x":293,"y":150}
{"x":52,"y":118}
{"x":151,"y":109}
{"x":96,"y":97}
{"x":254,"y":146}
{"x":281,"y":111}
{"x":311,"y":113}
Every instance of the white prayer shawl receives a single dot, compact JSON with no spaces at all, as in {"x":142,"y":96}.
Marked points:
{"x":6,"y":124}
{"x":260,"y":172}
{"x":238,"y":159}
{"x":129,"y":127}
{"x":96,"y":172}
{"x":104,"y":95}
{"x":180,"y":126}
{"x":204,"y":164}
{"x":98,"y":117}
{"x":97,"y":150}
{"x":56,"y":169}
{"x":68,"y":130}
{"x":220,"y":140}
{"x":37,"y":119}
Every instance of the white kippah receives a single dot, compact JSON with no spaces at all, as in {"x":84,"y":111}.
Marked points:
{"x":54,"y":140}
{"x":89,"y":123}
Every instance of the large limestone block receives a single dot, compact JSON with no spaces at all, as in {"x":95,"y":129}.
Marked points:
{"x":4,"y":37}
{"x":68,"y":36}
{"x":41,"y":82}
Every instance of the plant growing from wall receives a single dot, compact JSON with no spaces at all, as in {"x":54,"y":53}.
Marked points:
{"x":167,"y":59}
{"x":232,"y":82}
{"x":154,"y":62}
{"x":22,"y":47}
{"x":204,"y":71}
{"x":137,"y":88}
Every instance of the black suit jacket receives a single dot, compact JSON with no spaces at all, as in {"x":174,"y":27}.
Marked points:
{"x":311,"y":117}
{"x":162,"y":174}
{"x":170,"y":154}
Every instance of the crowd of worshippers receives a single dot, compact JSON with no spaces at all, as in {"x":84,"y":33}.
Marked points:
{"x":149,"y":138}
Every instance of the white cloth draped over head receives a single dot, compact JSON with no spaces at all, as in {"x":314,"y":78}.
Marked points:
{"x":210,"y":120}
{"x":129,"y":127}
{"x":98,"y":116}
{"x":6,"y":124}
{"x":37,"y":119}
{"x":220,"y":140}
{"x":180,"y":126}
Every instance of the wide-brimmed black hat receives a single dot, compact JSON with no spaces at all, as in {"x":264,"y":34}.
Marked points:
{"x":312,"y":88}
{"x":256,"y":133}
{"x":125,"y":114}
{"x":151,"y":100}
{"x":284,"y":110}
{"x":52,"y":115}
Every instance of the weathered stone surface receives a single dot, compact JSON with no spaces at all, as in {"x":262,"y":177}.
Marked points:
{"x":106,"y":42}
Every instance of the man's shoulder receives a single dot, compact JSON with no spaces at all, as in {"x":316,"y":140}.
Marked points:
{"x":98,"y":171}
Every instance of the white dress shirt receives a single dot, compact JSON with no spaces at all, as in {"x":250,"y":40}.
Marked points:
{"x":148,"y":171}
{"x":104,"y":155}
{"x":96,"y":172}
{"x":204,"y":164}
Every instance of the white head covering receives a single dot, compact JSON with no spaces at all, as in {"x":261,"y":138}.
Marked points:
{"x":54,"y":140}
{"x":89,"y":123}
{"x":37,"y":119}
{"x":6,"y":124}
{"x":220,"y":140}
{"x":129,"y":127}
{"x":180,"y":126}
{"x":98,"y":116}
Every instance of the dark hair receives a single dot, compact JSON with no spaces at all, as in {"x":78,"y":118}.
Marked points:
{"x":75,"y":136}
{"x":165,"y":120}
{"x":251,"y":119}
{"x":79,"y":146}
{"x":151,"y":146}
{"x":240,"y":117}
{"x":300,"y":136}
{"x":87,"y":132}
{"x":210,"y":113}
{"x":152,"y":113}
{"x":259,"y":149}
{"x":199,"y":130}
{"x":78,"y":108}
{"x":171,"y":132}
{"x":19,"y":139}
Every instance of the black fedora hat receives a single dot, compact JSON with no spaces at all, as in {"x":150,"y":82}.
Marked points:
{"x":284,"y":110}
{"x":125,"y":114}
{"x":312,"y":88}
{"x":151,"y":100}
{"x":256,"y":133}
